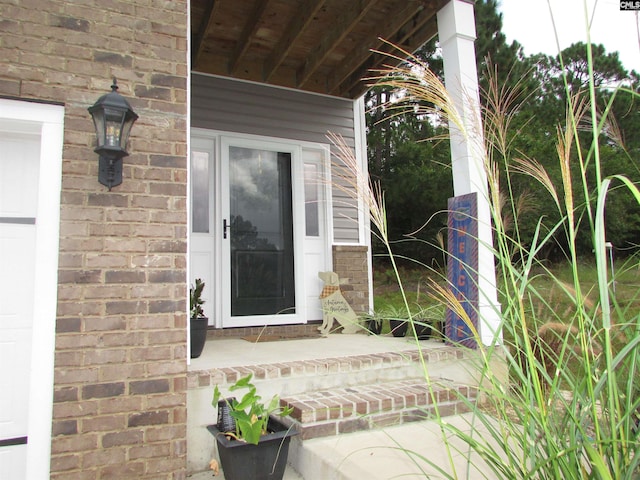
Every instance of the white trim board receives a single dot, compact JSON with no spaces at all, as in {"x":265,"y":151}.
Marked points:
{"x":47,"y":120}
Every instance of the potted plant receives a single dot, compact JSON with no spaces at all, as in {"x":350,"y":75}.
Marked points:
{"x":255,"y":444}
{"x":428,"y":323}
{"x":423,"y":328}
{"x":396,"y":317}
{"x":398,"y":326}
{"x":198,"y":323}
{"x":374,"y":324}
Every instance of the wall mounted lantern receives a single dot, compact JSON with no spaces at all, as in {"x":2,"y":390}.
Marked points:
{"x":113,"y":118}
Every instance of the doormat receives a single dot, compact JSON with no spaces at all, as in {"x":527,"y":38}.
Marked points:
{"x":276,"y":338}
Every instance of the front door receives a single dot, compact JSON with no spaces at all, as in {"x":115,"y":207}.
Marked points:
{"x":260,"y":225}
{"x":259,"y":231}
{"x":258,"y":228}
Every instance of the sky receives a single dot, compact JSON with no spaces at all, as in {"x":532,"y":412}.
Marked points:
{"x":529,"y":22}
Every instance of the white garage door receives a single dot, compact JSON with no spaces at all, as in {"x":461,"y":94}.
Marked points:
{"x":19,"y":160}
{"x":24,"y":265}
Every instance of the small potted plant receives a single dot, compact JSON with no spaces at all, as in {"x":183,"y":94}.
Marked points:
{"x":398,"y":326}
{"x":428,"y":323}
{"x":423,"y":328}
{"x":398,"y":320}
{"x":255,"y":444}
{"x":373,"y":324}
{"x":198,"y":323}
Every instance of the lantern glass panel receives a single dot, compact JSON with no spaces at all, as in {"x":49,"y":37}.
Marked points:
{"x":98,"y":122}
{"x":126,"y":129}
{"x":113,"y":127}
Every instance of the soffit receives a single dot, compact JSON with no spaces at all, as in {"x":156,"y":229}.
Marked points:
{"x":322,"y":46}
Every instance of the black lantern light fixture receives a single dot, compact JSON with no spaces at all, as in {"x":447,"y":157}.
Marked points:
{"x":113,"y":118}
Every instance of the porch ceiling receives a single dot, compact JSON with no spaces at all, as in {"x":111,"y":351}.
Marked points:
{"x":321,"y":46}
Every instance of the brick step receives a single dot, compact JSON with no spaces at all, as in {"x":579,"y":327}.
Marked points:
{"x":339,"y":369}
{"x":291,"y":378}
{"x":344,"y":410}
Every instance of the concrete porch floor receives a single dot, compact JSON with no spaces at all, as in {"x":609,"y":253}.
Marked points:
{"x":234,"y":352}
{"x":289,"y":474}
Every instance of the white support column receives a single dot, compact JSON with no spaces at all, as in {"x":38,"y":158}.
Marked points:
{"x":456,"y":32}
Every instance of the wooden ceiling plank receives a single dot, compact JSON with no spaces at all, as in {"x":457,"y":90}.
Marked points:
{"x":347,"y":27}
{"x":348,"y":20}
{"x":207,"y":25}
{"x":361,"y":54}
{"x":300,"y":20}
{"x":249,"y":31}
{"x":410,"y":38}
{"x":356,"y":87}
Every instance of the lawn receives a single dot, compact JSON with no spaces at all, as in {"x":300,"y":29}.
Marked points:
{"x":555,"y":289}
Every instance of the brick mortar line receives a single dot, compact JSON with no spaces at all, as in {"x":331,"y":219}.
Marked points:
{"x":318,"y":428}
{"x":374,"y":414}
{"x":228,"y":375}
{"x":352,"y":402}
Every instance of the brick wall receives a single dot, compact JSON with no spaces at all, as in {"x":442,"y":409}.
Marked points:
{"x":351,"y":264}
{"x":120,"y":362}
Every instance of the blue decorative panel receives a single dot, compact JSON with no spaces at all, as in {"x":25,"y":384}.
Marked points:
{"x":462,"y":268}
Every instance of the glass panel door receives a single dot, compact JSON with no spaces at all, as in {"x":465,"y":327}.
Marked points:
{"x":259,"y":231}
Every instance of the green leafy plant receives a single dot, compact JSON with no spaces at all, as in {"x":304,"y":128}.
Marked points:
{"x":195,"y":299}
{"x":251,"y":415}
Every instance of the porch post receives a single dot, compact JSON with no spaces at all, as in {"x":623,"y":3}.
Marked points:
{"x":456,"y":32}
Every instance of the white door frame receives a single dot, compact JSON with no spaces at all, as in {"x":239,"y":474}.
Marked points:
{"x":47,"y":120}
{"x":209,"y":262}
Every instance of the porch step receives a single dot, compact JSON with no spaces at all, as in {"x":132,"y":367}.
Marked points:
{"x":298,"y":377}
{"x":371,"y":406}
{"x":340,"y":384}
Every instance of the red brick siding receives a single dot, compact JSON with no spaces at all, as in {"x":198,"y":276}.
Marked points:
{"x":120,"y":362}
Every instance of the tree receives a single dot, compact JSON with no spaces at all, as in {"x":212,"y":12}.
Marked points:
{"x":413,"y":172}
{"x":414,"y":169}
{"x":567,"y":74}
{"x":494,"y":56}
{"x":404,"y":155}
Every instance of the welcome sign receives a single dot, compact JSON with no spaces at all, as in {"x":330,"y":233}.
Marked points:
{"x":462,"y":268}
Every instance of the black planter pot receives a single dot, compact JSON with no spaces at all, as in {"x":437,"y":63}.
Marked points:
{"x":226,"y":423}
{"x":374,"y":326}
{"x":265,"y":461}
{"x":423,"y":330}
{"x":198,"y":335}
{"x":429,"y":330}
{"x":398,"y":327}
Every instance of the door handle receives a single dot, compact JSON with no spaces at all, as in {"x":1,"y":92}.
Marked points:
{"x":225,"y":226}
